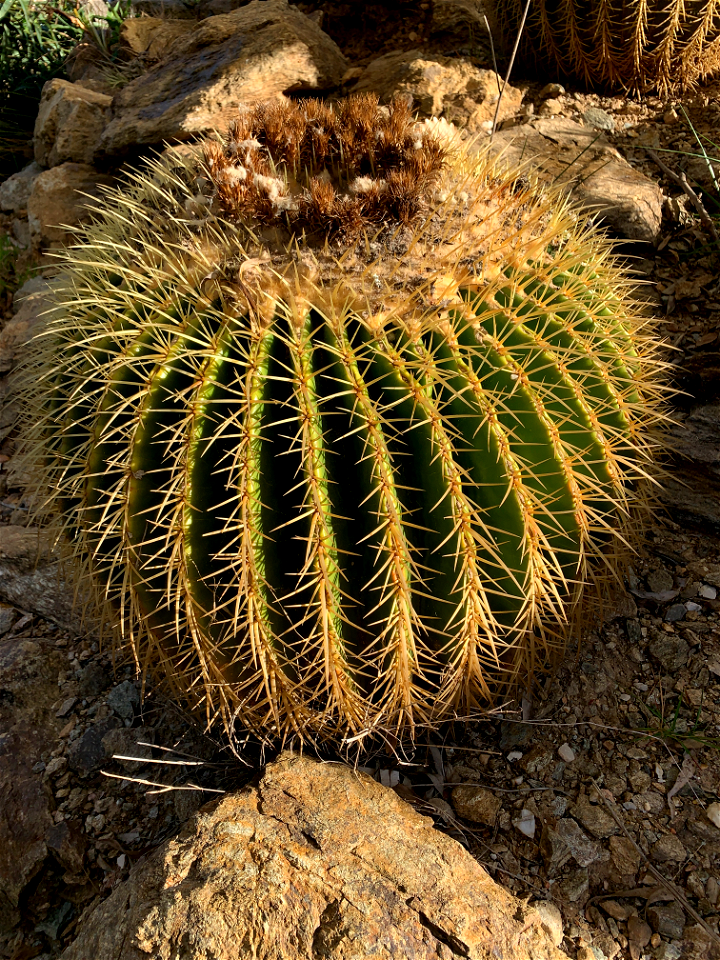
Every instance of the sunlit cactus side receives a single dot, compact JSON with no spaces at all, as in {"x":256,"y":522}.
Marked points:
{"x":636,"y":45}
{"x":339,"y":420}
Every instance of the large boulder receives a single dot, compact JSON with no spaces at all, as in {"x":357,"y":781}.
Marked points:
{"x":151,"y":37}
{"x":260,"y":51}
{"x":581,"y":160}
{"x":69,"y":123}
{"x":318,"y":861}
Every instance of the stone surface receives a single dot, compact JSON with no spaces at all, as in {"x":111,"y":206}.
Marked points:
{"x":69,"y":123}
{"x":63,"y":197}
{"x":667,"y":919}
{"x":582,"y":161}
{"x":594,"y":818}
{"x":151,"y":37}
{"x":30,"y":577}
{"x":318,"y":860}
{"x":476,"y":804}
{"x":260,"y":51}
{"x":15,"y":191}
{"x":28,"y":689}
{"x":668,"y":849}
{"x":124,"y":699}
{"x":453,"y":87}
{"x":24,"y":325}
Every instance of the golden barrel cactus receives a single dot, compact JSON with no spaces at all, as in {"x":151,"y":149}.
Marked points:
{"x":634,"y":45}
{"x":339,"y":420}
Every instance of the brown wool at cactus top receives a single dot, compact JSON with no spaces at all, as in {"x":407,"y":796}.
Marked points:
{"x":340,"y":421}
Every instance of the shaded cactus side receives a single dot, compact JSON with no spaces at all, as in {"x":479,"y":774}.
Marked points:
{"x":634,"y":46}
{"x":340,"y":420}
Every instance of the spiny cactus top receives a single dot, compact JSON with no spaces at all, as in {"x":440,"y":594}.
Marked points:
{"x":338,"y":419}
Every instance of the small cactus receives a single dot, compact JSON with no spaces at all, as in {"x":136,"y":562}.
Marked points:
{"x":628,"y":44}
{"x":340,"y":420}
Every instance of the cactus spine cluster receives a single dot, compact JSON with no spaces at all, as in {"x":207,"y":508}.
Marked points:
{"x":633,"y":45}
{"x":340,"y":420}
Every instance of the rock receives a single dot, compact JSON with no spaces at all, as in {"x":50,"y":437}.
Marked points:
{"x":455,"y":19}
{"x":694,"y":496}
{"x":575,"y":887}
{"x":566,"y":753}
{"x":317,"y":860}
{"x":86,"y":754}
{"x":550,"y":108}
{"x":177,"y":9}
{"x":24,"y":325}
{"x":624,"y":856}
{"x":551,"y":919}
{"x":124,"y":699}
{"x":69,"y":123}
{"x":123,"y":742}
{"x":451,"y":86}
{"x":476,"y":804}
{"x":587,"y":166}
{"x":151,"y":37}
{"x":667,"y":919}
{"x":583,"y":850}
{"x":638,"y":932}
{"x":675,"y":612}
{"x":62,"y":197}
{"x":94,"y":679}
{"x":8,"y":616}
{"x":670,"y":650}
{"x":258,"y":52}
{"x":15,"y":191}
{"x":600,"y":119}
{"x":668,"y":848}
{"x":594,"y":818}
{"x":555,"y":852}
{"x":551,"y":90}
{"x":526,"y":823}
{"x":28,"y":690}
{"x":713,"y":814}
{"x":67,"y":845}
{"x":30,"y":577}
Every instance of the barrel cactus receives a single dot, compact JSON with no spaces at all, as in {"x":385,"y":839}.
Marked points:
{"x":631,"y":44}
{"x":339,"y":420}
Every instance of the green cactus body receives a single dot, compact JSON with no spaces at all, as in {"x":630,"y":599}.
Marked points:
{"x":340,"y":451}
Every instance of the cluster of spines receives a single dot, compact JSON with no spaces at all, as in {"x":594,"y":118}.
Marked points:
{"x":324,"y":170}
{"x":639,"y":45}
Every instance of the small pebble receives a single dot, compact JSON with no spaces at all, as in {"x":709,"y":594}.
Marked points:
{"x":707,"y":592}
{"x":66,"y":707}
{"x":713,"y":814}
{"x":551,"y":90}
{"x":526,"y":823}
{"x":514,"y":755}
{"x":670,"y":116}
{"x":566,"y":753}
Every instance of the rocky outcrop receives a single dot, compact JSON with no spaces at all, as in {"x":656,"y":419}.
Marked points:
{"x":15,"y":191}
{"x":464,"y":94}
{"x":62,"y":196}
{"x":260,"y":51}
{"x":151,"y":37}
{"x":317,"y":861}
{"x":69,"y":123}
{"x":580,"y":159}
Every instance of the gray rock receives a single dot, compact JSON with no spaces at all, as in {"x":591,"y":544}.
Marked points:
{"x":667,"y":919}
{"x":584,"y":851}
{"x":124,"y":699}
{"x":675,"y":612}
{"x":94,"y":679}
{"x":258,"y":52}
{"x":317,"y":860}
{"x":600,"y":119}
{"x":27,"y":323}
{"x":587,"y":166}
{"x":668,"y":848}
{"x":86,"y":754}
{"x":671,"y":650}
{"x":574,"y":888}
{"x":15,"y":191}
{"x":8,"y":616}
{"x":122,"y":741}
{"x":659,"y":579}
{"x":594,"y":818}
{"x":69,"y":123}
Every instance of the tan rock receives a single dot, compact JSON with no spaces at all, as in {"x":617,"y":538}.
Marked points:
{"x":453,"y":87}
{"x":62,"y":197}
{"x":23,"y":326}
{"x":260,"y":51}
{"x":69,"y":123}
{"x":318,"y":860}
{"x":476,"y":804}
{"x":151,"y":37}
{"x":582,"y":160}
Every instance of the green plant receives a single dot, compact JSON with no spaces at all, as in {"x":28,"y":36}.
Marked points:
{"x":635,"y":45}
{"x":340,"y":420}
{"x":35,"y":40}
